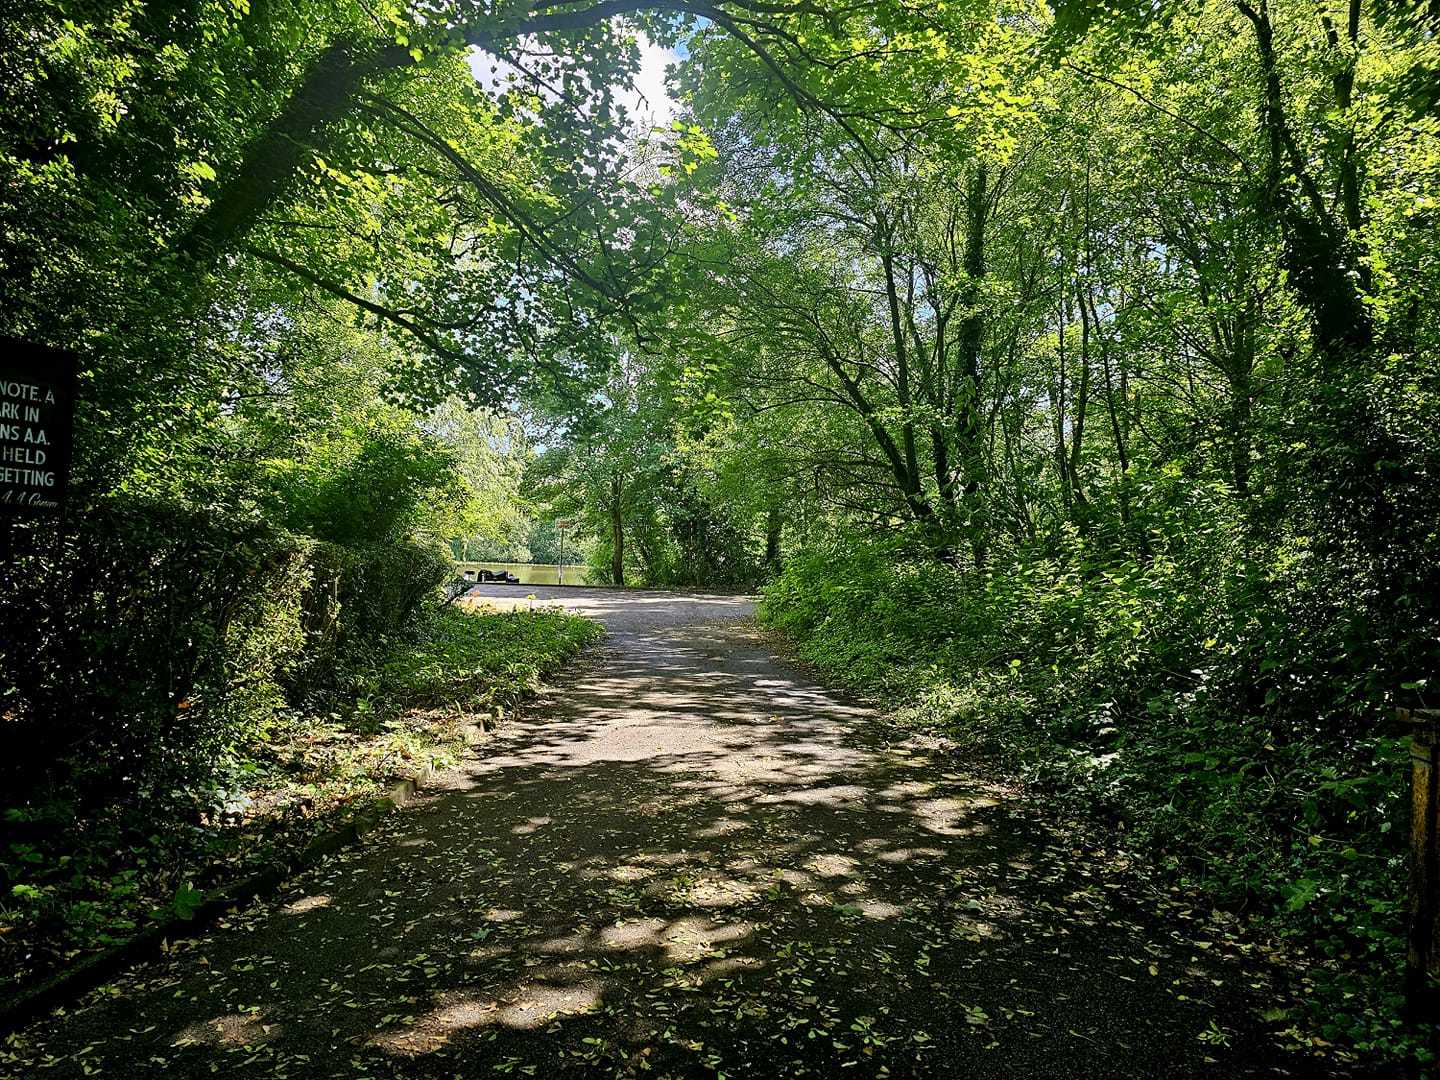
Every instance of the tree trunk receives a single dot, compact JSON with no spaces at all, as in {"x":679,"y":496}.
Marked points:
{"x":1082,"y":408}
{"x":971,"y":346}
{"x":1240,"y":414}
{"x":1058,"y":403}
{"x":617,"y":532}
{"x":774,"y":524}
{"x":902,"y":360}
{"x":1321,"y":260}
{"x":272,"y":161}
{"x":1355,"y":459}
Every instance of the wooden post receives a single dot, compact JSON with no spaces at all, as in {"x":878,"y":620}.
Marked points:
{"x":1422,"y":961}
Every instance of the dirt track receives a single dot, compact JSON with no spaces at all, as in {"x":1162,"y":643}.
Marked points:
{"x":689,"y":860}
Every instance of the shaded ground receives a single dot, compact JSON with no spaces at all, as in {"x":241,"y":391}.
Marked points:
{"x":688,"y":860}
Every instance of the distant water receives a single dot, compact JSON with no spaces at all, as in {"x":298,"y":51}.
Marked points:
{"x":532,"y":573}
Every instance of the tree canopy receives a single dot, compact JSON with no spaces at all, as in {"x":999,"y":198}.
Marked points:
{"x":1076,"y":361}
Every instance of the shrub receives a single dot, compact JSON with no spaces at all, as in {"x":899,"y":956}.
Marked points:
{"x":359,"y":603}
{"x":150,"y":643}
{"x":144,"y":640}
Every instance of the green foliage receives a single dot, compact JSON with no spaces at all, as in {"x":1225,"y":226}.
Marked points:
{"x":695,"y":542}
{"x":1080,"y":358}
{"x":639,"y":496}
{"x":206,"y":606}
{"x":1101,"y":422}
{"x":260,"y":491}
{"x":1245,"y":761}
{"x":471,"y":658}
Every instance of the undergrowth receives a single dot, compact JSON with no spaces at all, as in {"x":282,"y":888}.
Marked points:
{"x":1206,"y":708}
{"x":73,"y":884}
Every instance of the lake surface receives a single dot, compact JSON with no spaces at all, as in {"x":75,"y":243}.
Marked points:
{"x":533,"y":573}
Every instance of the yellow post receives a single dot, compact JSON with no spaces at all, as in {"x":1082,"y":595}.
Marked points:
{"x":1422,"y":962}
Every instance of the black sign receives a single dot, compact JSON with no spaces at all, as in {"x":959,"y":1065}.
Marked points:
{"x":37,"y":408}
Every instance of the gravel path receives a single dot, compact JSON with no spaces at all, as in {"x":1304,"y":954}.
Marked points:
{"x":689,"y":860}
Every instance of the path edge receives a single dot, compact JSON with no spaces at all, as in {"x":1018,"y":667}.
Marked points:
{"x":73,"y":982}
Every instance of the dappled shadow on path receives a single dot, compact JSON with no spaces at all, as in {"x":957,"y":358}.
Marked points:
{"x":690,"y":861}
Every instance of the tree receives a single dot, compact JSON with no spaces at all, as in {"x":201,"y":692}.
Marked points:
{"x":600,"y":464}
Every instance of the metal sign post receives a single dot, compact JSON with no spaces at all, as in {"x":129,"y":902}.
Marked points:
{"x":560,"y":565}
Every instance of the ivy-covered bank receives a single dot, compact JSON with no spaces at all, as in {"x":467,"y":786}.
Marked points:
{"x":75,"y":882}
{"x":1129,"y":690}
